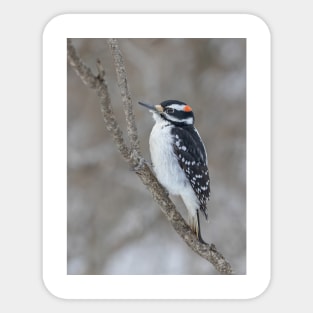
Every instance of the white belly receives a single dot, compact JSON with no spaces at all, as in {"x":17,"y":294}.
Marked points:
{"x":165,"y":164}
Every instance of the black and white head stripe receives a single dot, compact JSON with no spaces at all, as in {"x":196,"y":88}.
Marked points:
{"x":177,"y":112}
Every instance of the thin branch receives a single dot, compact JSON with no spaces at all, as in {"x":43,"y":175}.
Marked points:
{"x":132,"y":155}
{"x":99,"y":83}
{"x":125,"y":93}
{"x":80,"y":68}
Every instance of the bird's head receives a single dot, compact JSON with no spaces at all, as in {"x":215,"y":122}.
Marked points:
{"x":174,"y":111}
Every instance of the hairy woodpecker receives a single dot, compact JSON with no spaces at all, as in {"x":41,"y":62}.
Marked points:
{"x":179,"y":157}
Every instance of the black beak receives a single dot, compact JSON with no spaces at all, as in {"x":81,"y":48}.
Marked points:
{"x":149,"y":106}
{"x":155,"y":108}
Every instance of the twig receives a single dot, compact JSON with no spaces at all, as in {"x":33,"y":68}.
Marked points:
{"x":125,"y":93}
{"x":99,"y":83}
{"x":132,"y":154}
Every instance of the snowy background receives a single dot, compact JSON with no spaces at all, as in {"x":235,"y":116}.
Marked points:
{"x":114,"y":227}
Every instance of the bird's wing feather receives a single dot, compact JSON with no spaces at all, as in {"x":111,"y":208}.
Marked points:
{"x":191,"y":156}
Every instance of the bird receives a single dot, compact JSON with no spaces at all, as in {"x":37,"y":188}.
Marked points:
{"x":179,"y":158}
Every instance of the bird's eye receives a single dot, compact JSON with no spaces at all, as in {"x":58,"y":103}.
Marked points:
{"x":169,"y":110}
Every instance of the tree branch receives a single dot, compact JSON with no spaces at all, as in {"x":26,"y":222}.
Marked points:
{"x":125,"y":93}
{"x":99,"y":83}
{"x":132,"y":154}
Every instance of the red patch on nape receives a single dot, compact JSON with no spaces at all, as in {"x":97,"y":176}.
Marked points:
{"x":187,"y":108}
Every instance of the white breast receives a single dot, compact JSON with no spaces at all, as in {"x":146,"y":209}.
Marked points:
{"x":165,"y":163}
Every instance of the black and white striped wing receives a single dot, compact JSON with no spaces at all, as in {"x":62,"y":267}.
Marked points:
{"x":192,"y":158}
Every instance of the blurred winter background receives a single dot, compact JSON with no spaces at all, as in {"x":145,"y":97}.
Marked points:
{"x":114,"y":227}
